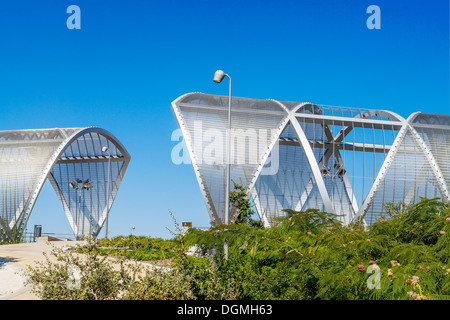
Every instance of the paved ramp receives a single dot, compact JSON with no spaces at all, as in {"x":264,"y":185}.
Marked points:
{"x":12,"y":279}
{"x":15,"y":258}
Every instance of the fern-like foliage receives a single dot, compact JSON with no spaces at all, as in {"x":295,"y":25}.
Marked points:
{"x":312,"y":255}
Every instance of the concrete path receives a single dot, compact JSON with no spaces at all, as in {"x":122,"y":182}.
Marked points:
{"x":12,"y":278}
{"x":14,"y":260}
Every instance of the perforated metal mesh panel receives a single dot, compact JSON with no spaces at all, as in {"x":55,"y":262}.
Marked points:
{"x":204,"y":122}
{"x":29,"y":157}
{"x":348,"y":161}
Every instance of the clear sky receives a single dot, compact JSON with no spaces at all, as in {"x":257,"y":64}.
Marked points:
{"x":131,"y":59}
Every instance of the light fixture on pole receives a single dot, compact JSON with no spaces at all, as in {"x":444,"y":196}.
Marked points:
{"x":76,"y":185}
{"x":87,"y":185}
{"x":81,"y":185}
{"x":218,"y":77}
{"x":104,"y":149}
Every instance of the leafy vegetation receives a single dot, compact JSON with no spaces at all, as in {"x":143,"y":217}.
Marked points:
{"x":81,"y":277}
{"x":139,"y":248}
{"x":311,"y":255}
{"x":241,"y":201}
{"x":305,"y":255}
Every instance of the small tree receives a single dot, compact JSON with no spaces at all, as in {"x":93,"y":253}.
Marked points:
{"x":239,"y":198}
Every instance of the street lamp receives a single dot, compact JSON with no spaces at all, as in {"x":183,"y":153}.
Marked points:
{"x":104,"y":149}
{"x":81,"y":185}
{"x":218,"y":77}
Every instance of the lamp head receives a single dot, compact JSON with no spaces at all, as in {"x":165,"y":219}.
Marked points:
{"x":104,"y":149}
{"x":218,"y":76}
{"x":325,"y":171}
{"x":86,"y":184}
{"x":342,"y":172}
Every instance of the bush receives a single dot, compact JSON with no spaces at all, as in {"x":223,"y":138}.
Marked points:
{"x":87,"y":277}
{"x":88,"y":273}
{"x":311,"y":255}
{"x":306,"y":255}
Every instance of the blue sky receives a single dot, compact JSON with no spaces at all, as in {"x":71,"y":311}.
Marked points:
{"x":131,"y":59}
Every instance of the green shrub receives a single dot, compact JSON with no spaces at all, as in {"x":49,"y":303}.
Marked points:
{"x":306,"y":255}
{"x":75,"y":277}
{"x":311,"y":255}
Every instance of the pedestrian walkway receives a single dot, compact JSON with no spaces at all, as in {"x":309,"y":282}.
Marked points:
{"x":14,"y":260}
{"x":12,"y":278}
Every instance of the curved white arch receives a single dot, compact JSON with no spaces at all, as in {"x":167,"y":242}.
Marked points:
{"x":195,"y":163}
{"x":275,"y":118}
{"x":383,"y":171}
{"x":251,"y":186}
{"x":23,"y":211}
{"x":385,"y":130}
{"x":442,"y":185}
{"x":407,"y":128}
{"x":327,"y":155}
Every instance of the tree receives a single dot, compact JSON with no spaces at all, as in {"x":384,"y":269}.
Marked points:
{"x":239,"y":199}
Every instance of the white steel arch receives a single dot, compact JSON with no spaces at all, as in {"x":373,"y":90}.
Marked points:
{"x":29,"y":157}
{"x":341,"y":160}
{"x":430,"y":165}
{"x":251,"y":186}
{"x":303,"y":140}
{"x":443,"y":188}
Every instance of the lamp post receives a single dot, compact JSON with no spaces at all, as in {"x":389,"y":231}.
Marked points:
{"x":81,"y":185}
{"x":218,"y":77}
{"x":104,"y":149}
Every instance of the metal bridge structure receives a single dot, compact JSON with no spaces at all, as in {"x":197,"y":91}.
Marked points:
{"x":300,"y":155}
{"x":85,"y":166}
